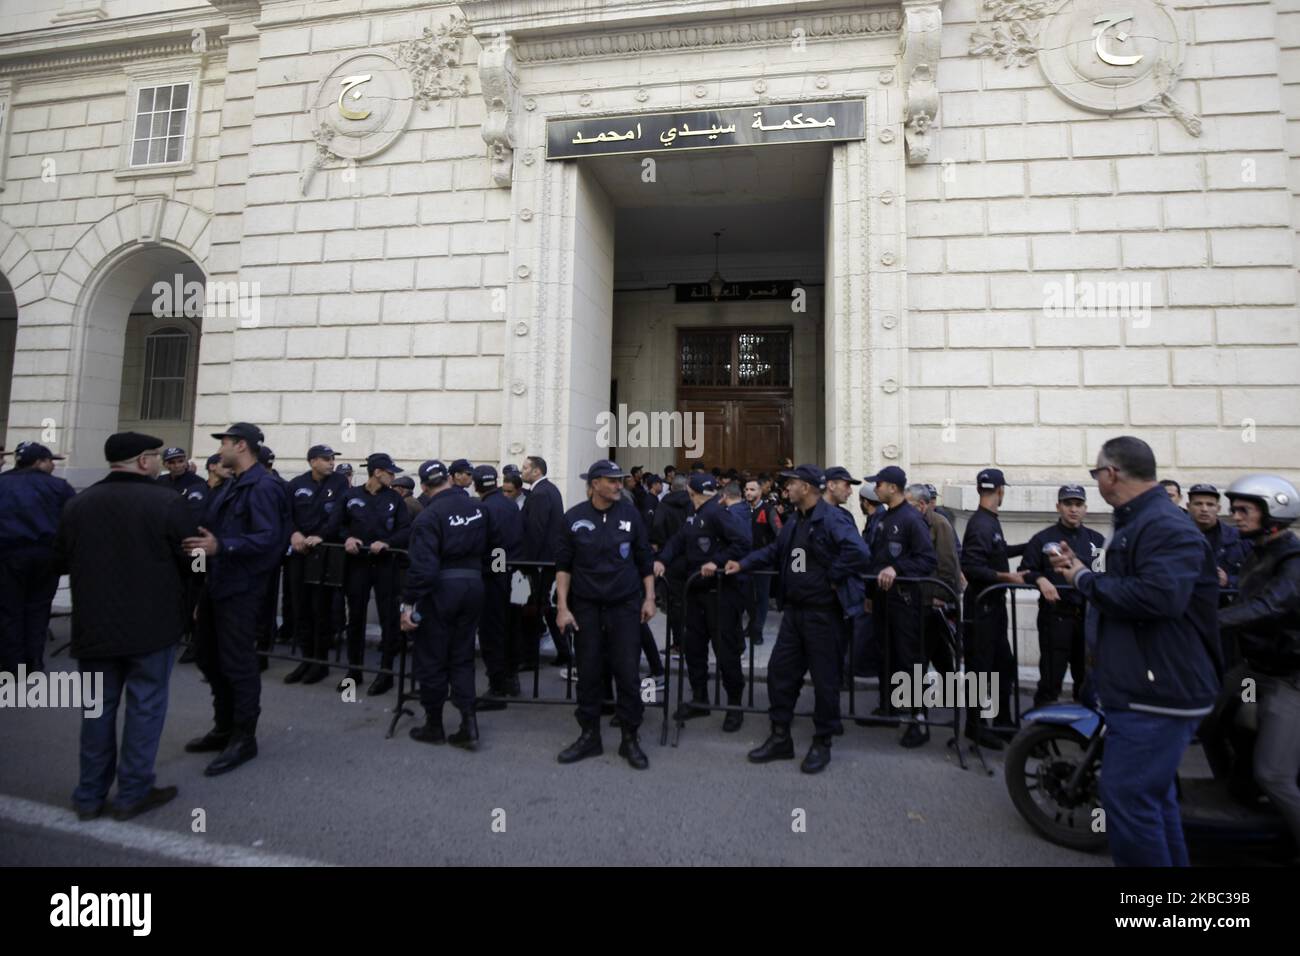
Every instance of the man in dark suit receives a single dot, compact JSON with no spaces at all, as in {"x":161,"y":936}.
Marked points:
{"x":543,"y":519}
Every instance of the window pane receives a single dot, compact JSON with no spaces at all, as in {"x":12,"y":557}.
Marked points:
{"x":180,"y":96}
{"x":166,"y":357}
{"x":145,"y":103}
{"x":705,"y":358}
{"x":142,"y":126}
{"x":159,"y":125}
{"x":176,"y":123}
{"x":140,"y":153}
{"x":174,"y":149}
{"x":156,"y":148}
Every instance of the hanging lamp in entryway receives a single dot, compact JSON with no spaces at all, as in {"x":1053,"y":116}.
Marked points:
{"x":715,"y":280}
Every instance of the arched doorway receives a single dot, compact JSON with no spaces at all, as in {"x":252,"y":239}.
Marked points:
{"x":137,"y":365}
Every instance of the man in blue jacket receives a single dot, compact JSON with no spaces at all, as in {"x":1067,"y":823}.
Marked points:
{"x":31,"y":501}
{"x":821,"y":559}
{"x":244,"y":543}
{"x":1153,"y":639}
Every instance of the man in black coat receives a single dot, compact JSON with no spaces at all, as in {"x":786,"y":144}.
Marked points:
{"x":671,"y":514}
{"x":120,"y":540}
{"x":543,"y":519}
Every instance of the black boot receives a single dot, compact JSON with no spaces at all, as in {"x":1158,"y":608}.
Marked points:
{"x":494,"y":690}
{"x":915,"y":736}
{"x":297,"y":674}
{"x":587,"y":745}
{"x":512,"y":686}
{"x":382,"y":684}
{"x":819,"y":755}
{"x":778,"y":746}
{"x":631,"y":749}
{"x":467,"y":736}
{"x":214,"y":741}
{"x":316,"y":673}
{"x":735,"y":718}
{"x":695,"y":707}
{"x":241,"y":749}
{"x":352,"y":675}
{"x":430,"y":732}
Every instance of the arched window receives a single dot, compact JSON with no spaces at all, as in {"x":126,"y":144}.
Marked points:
{"x":166,"y":355}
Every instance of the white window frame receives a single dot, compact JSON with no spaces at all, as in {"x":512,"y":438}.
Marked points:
{"x":160,"y":323}
{"x":141,"y":78}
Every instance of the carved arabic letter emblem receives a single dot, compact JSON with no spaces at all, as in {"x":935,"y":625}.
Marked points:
{"x":349,"y":83}
{"x":1099,"y":41}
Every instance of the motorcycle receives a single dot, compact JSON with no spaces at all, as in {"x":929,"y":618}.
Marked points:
{"x":1053,"y":772}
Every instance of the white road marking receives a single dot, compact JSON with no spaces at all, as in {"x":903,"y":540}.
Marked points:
{"x":133,"y":836}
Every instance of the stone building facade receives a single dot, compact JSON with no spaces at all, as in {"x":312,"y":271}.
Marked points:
{"x":1020,"y":241}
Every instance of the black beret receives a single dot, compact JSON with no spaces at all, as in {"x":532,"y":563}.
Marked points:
{"x":126,"y":445}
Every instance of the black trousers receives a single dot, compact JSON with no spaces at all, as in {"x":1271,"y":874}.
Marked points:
{"x":540,"y":586}
{"x":651,"y":650}
{"x":1060,"y":645}
{"x":266,"y":626}
{"x":713,"y":618}
{"x":27,"y":587}
{"x":987,"y":652}
{"x":226,"y":654}
{"x":377,"y":572}
{"x":902,"y":646}
{"x":311,"y":612}
{"x":494,"y":640}
{"x":608,"y":633}
{"x":444,"y":642}
{"x":810,"y":640}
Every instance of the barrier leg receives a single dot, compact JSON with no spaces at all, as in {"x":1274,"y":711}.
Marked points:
{"x":399,"y":707}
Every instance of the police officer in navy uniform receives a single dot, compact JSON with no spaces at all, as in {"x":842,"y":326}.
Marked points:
{"x":31,"y":501}
{"x":984,"y":553}
{"x":605,"y":592}
{"x":711,"y":536}
{"x":313,"y":497}
{"x":244,"y":542}
{"x":1061,"y":641}
{"x":498,"y":645}
{"x":442,"y":602}
{"x":178,"y":476}
{"x":426,"y":472}
{"x":372,"y":520}
{"x":821,"y":560}
{"x":901,"y":547}
{"x":1230,"y":551}
{"x":462,"y":474}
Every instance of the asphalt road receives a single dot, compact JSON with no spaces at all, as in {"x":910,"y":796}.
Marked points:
{"x":328,"y":787}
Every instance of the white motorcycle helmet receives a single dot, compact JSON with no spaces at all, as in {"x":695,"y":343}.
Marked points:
{"x":1276,"y":496}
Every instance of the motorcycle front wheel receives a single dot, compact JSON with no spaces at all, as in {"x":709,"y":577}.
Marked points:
{"x":1039,"y":763}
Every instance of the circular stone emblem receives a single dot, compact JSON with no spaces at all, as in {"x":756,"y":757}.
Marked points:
{"x":1110,"y":55}
{"x":366,"y":101}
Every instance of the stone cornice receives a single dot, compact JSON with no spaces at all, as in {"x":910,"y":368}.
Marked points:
{"x":710,"y":35}
{"x":154,"y":48}
{"x":103,"y":43}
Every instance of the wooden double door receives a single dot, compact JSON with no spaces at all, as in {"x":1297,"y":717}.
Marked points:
{"x":752,"y":433}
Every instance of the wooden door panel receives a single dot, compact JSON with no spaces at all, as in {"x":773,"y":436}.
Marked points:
{"x":762,"y":435}
{"x":715,"y":439}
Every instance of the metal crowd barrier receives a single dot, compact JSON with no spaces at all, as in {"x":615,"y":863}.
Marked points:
{"x":331,"y":572}
{"x":1225,"y":597}
{"x":880,"y":624}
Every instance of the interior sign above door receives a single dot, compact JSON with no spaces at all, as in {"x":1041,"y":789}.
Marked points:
{"x":762,"y":125}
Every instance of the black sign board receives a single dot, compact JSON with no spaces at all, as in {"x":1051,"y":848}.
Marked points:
{"x":764,"y":125}
{"x":737,"y":291}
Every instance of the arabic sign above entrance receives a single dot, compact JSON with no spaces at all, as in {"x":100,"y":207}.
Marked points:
{"x":760,"y":125}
